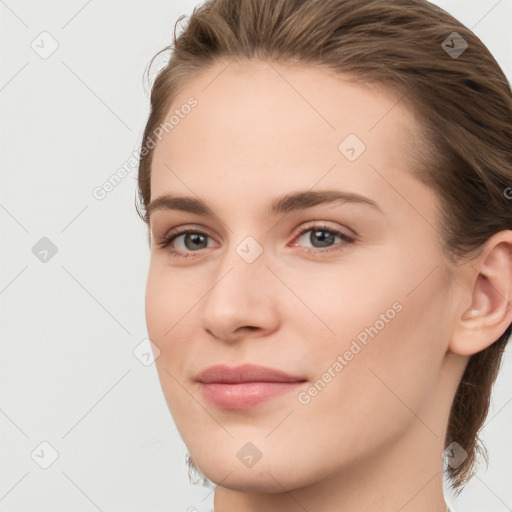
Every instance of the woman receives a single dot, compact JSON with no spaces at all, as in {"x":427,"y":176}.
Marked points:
{"x":327,"y":188}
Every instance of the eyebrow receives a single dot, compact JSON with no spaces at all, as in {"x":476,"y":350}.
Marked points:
{"x":285,"y":204}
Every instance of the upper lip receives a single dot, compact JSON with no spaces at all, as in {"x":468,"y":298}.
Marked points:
{"x":244,"y":373}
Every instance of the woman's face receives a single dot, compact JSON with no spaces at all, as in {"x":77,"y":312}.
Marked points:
{"x":364,"y":317}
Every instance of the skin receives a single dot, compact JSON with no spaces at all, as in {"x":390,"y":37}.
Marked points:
{"x":372,"y":438}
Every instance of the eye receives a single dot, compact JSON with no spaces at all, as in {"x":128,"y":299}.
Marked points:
{"x":195,"y":240}
{"x":324,"y":236}
{"x":191,"y":240}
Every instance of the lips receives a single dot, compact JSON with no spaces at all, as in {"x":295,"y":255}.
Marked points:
{"x":246,"y":386}
{"x":244,"y":373}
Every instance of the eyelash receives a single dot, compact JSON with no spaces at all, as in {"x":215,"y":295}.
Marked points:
{"x":170,"y":237}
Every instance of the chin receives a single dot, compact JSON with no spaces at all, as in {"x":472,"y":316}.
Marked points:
{"x":261,"y":478}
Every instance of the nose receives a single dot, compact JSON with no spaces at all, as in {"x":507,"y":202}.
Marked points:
{"x":243,"y":298}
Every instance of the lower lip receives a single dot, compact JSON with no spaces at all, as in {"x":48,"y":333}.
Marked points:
{"x":245,"y":395}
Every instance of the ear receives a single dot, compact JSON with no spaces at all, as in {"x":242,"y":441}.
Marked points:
{"x":486,"y":305}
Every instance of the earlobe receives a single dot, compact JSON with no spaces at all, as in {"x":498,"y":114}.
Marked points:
{"x":490,"y":311}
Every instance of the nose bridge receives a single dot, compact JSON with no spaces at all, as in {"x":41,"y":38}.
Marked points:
{"x":243,"y":266}
{"x":239,"y":295}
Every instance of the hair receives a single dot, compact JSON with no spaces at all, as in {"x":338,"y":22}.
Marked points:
{"x":463,"y":103}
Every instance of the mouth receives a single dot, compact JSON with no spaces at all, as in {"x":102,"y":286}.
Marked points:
{"x":245,"y":386}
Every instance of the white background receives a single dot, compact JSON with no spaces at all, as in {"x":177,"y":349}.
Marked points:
{"x":69,"y":326}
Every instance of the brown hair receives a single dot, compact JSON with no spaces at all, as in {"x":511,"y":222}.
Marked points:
{"x":464,"y":103}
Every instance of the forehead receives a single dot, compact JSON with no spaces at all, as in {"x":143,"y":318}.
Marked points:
{"x":272,"y":125}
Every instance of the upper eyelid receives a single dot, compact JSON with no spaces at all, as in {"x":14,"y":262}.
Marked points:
{"x":305,"y":225}
{"x":183,"y":230}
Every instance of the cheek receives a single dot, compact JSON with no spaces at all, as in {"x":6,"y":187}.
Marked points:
{"x":172,"y":309}
{"x":168,"y":295}
{"x":156,"y":305}
{"x":165,"y":308}
{"x":387,"y":347}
